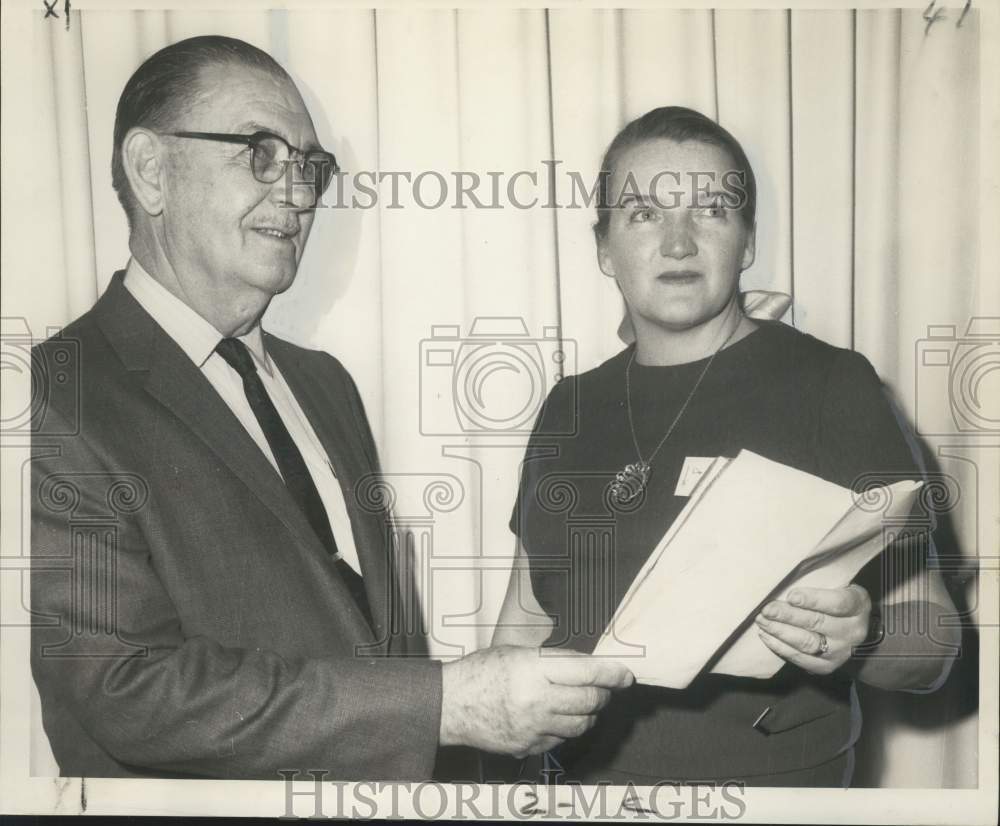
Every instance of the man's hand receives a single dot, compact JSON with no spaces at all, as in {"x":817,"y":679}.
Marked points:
{"x":815,"y":619}
{"x":513,"y":700}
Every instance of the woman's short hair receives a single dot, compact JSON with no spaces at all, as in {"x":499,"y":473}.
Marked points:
{"x":166,"y":86}
{"x":676,"y":123}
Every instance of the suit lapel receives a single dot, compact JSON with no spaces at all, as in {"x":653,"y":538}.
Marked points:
{"x":333,"y":422}
{"x":177,"y":383}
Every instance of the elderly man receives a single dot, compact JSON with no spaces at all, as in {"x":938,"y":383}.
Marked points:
{"x":213,"y":597}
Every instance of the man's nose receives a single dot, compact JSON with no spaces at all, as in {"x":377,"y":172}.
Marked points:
{"x":292,"y":191}
{"x":678,"y":235}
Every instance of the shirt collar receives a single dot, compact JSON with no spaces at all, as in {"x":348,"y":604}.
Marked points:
{"x":192,"y":333}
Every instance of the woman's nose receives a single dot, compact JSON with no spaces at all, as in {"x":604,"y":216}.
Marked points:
{"x":678,"y":237}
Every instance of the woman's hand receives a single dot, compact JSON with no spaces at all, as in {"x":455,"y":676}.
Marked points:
{"x":817,"y":628}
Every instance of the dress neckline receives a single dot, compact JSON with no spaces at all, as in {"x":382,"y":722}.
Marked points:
{"x":640,"y":371}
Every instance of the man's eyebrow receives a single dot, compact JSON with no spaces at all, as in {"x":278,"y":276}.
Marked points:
{"x":254,"y":126}
{"x":724,"y":198}
{"x":635,"y":198}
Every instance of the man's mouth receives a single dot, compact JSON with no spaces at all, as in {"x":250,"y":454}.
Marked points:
{"x":282,"y":234}
{"x":679,"y":276}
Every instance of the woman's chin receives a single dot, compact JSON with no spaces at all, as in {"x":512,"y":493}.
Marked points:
{"x":676,"y":322}
{"x":679,"y":317}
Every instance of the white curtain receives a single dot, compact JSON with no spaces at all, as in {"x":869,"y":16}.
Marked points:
{"x":862,"y":127}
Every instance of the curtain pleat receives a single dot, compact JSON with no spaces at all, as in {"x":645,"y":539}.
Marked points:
{"x":35,"y":280}
{"x":423,"y":289}
{"x":110,"y":72}
{"x":822,"y":104}
{"x":508,"y":257}
{"x":151,"y":33}
{"x":251,"y":26}
{"x":668,"y":58}
{"x":939,"y":150}
{"x":337,"y":304}
{"x":863,"y":130}
{"x":35,"y":287}
{"x":920,"y":175}
{"x":587,"y":110}
{"x":752,"y":64}
{"x":876,"y":181}
{"x":74,"y":167}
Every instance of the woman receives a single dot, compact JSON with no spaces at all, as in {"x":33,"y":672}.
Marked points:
{"x":675,"y":229}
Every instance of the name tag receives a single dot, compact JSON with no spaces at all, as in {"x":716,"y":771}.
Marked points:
{"x":691,"y":473}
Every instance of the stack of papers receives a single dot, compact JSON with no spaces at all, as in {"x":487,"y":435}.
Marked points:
{"x":751,"y":531}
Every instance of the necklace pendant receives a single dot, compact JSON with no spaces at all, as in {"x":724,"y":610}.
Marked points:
{"x":630,"y":482}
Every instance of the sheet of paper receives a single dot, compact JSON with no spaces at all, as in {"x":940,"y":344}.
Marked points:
{"x":748,"y":524}
{"x":856,"y":540}
{"x":707,"y":479}
{"x":692,"y":471}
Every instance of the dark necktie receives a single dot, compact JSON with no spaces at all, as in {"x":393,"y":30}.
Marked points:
{"x":290,"y":462}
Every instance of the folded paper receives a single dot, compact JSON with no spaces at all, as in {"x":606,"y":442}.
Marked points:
{"x":752,"y":530}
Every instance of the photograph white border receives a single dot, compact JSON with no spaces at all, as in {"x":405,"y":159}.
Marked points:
{"x":22,"y":793}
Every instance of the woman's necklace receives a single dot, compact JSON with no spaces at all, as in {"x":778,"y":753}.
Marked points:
{"x":631,"y":481}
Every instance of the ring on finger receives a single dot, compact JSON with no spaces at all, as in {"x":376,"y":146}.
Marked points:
{"x":824,"y":644}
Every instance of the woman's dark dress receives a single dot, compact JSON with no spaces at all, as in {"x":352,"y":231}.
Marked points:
{"x":779,"y":393}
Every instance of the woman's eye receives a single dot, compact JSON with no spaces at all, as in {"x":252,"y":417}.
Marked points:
{"x":641,"y":216}
{"x":714,"y":211}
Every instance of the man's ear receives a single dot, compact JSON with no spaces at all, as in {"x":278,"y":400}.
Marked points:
{"x":604,"y":258}
{"x":750,"y":250}
{"x":143,"y":159}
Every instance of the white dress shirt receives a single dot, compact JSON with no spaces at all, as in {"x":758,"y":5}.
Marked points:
{"x":198,"y":339}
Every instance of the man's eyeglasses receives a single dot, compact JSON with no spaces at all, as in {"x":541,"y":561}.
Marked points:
{"x":270,"y":155}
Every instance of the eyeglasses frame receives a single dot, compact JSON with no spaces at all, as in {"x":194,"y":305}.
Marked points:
{"x":295,"y":155}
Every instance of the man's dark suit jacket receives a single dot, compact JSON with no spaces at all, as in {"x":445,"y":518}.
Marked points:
{"x":187,"y":619}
